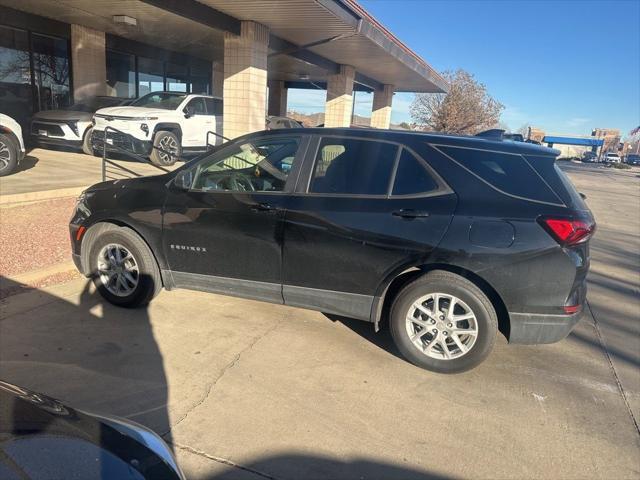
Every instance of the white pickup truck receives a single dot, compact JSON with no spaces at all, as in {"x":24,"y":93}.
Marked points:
{"x":160,"y":125}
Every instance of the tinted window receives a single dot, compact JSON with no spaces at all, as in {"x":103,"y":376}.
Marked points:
{"x":349,"y":166}
{"x":509,"y":173}
{"x":163,"y":100}
{"x":196,"y":107}
{"x":262,"y":166}
{"x":412,"y":176}
{"x":214,"y":106}
{"x":121,"y":74}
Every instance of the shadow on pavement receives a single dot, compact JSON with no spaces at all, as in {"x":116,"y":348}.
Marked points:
{"x":27,"y":163}
{"x":91,"y":355}
{"x":297,"y":466}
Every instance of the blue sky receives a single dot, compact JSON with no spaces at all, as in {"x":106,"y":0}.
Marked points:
{"x":565,"y":66}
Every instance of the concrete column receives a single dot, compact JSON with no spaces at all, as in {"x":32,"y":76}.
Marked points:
{"x":381,"y":111}
{"x":245,"y":79}
{"x":88,"y":61}
{"x":217,"y":79}
{"x":277,"y":98}
{"x":337,"y":112}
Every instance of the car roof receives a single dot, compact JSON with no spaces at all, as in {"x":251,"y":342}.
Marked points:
{"x":183,"y":93}
{"x":405,"y":136}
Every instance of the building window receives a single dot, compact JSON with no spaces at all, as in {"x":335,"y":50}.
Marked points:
{"x":200,"y":79}
{"x":177,"y":78}
{"x":121,"y":74}
{"x":15,"y":74}
{"x":150,"y":76}
{"x":51,"y":71}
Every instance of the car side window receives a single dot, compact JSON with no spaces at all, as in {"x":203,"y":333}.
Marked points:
{"x":214,"y":106}
{"x":412,"y":176}
{"x":196,"y":107}
{"x":353,"y":167}
{"x":260,"y":166}
{"x":506,"y":172}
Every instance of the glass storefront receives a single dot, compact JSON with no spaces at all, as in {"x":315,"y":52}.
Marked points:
{"x":51,"y":72}
{"x":23,"y":89}
{"x":121,"y":74}
{"x":152,"y":75}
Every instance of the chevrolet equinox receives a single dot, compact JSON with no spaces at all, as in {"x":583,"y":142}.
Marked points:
{"x":448,"y":238}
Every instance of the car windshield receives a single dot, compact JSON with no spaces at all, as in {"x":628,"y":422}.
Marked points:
{"x":162,"y":100}
{"x":92,"y":104}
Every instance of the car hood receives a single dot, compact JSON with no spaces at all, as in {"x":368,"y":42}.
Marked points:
{"x":78,"y":444}
{"x":64,"y":115}
{"x":132,"y":112}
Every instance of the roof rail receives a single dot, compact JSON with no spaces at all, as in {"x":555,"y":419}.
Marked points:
{"x":492,"y":134}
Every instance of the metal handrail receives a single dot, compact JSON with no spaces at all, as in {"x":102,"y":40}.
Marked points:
{"x":127,"y":152}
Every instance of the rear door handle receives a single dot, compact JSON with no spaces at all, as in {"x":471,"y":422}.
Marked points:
{"x":410,"y":213}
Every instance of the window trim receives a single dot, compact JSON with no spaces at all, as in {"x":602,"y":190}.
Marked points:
{"x":302,"y":188}
{"x":292,"y":178}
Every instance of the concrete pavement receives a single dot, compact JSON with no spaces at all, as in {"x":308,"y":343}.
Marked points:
{"x":244,"y":389}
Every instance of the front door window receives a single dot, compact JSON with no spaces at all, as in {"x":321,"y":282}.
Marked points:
{"x":261,"y":166}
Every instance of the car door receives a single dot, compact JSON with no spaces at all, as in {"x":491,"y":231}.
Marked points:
{"x":222,"y":220}
{"x":195,"y":124}
{"x":363,"y":211}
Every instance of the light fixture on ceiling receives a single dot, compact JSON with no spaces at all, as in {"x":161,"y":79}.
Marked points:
{"x":303,"y":76}
{"x":125,"y":20}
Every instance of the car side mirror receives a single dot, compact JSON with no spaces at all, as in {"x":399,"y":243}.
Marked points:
{"x":184,"y":179}
{"x":187,"y":112}
{"x":584,"y":197}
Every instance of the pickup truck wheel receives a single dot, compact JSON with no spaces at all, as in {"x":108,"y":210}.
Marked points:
{"x":443,"y":323}
{"x":166,"y":149}
{"x":8,"y":155}
{"x":123,"y":268}
{"x":87,"y":147}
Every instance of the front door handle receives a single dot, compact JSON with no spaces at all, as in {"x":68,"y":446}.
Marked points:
{"x":263,"y":207}
{"x":410,"y":213}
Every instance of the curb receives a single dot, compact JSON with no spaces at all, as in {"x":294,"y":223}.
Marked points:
{"x":29,"y":277}
{"x":43,"y":195}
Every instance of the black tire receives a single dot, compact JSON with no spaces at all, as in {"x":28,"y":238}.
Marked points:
{"x":8,"y":154}
{"x":149,"y":280}
{"x":87,"y":147}
{"x":159,"y":157}
{"x":449,"y":284}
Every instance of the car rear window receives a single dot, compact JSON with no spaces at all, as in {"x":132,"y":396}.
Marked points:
{"x":353,"y":166}
{"x":412,"y":176}
{"x":508,"y":173}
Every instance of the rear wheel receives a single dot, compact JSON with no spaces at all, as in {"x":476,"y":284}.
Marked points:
{"x":167,"y":149}
{"x":8,"y":155}
{"x":123,"y":268}
{"x":87,"y":147}
{"x":443,"y":323}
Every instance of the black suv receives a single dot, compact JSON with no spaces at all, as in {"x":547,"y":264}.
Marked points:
{"x":449,"y":238}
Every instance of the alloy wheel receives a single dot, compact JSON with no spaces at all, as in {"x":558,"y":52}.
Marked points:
{"x":169,"y":148}
{"x":5,"y":155}
{"x":118,"y":270}
{"x":442,"y":326}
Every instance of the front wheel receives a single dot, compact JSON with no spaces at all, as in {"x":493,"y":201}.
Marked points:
{"x":166,"y":149}
{"x":443,"y":323}
{"x":123,"y":268}
{"x":8,"y":155}
{"x":87,"y":147}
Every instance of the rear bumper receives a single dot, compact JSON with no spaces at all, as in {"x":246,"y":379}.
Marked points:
{"x":534,"y":328}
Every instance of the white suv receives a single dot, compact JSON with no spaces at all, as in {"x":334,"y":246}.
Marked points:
{"x":612,"y":157}
{"x":11,"y":144}
{"x":160,"y":125}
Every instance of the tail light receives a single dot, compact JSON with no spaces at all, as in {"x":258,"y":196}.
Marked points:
{"x":567,"y":231}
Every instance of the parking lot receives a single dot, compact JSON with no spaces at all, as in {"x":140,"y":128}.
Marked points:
{"x":250,"y":390}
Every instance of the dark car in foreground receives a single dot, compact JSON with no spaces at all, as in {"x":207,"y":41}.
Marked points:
{"x":71,"y":126}
{"x":41,"y":438}
{"x":448,"y":238}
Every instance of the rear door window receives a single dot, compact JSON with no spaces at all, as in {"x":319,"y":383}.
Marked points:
{"x":214,"y":106}
{"x":411,"y":176}
{"x":353,"y":167}
{"x":508,"y":173}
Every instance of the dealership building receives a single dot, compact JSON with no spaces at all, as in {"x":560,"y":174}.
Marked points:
{"x":249,"y":52}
